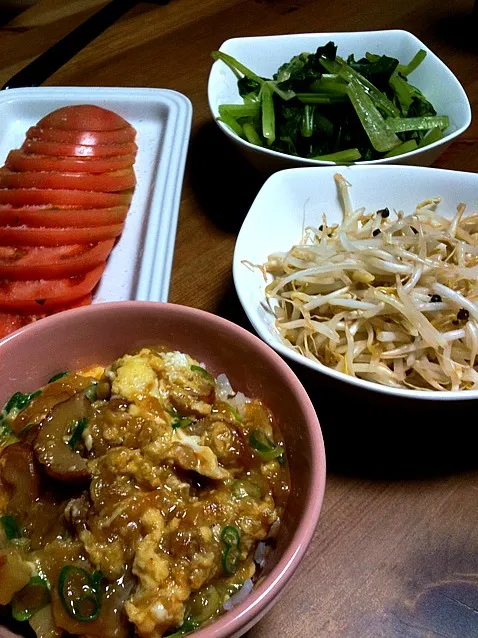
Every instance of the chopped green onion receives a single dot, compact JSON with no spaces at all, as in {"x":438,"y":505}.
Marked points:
{"x":58,"y":376}
{"x":90,"y":392}
{"x":239,"y":110}
{"x":380,"y":134}
{"x":33,"y":597}
{"x":432,"y":136}
{"x":264,"y":445}
{"x":244,"y":488}
{"x":78,"y":430}
{"x":251,"y":135}
{"x":406,"y":69}
{"x":204,"y":604}
{"x":340,"y":157}
{"x":80,"y":593}
{"x":19,"y":401}
{"x":187,"y":627}
{"x":10,"y":527}
{"x":230,"y":536}
{"x":406,"y":147}
{"x":230,"y":559}
{"x":235,"y":412}
{"x":402,"y":124}
{"x":204,"y":373}
{"x":268,"y":115}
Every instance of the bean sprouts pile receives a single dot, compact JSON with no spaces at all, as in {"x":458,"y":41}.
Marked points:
{"x":384,"y":296}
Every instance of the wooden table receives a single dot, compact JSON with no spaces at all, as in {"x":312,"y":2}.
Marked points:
{"x":396,"y":550}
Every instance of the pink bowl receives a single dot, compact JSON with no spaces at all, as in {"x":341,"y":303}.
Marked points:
{"x":102,"y":332}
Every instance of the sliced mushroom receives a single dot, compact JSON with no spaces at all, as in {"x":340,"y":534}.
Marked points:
{"x":20,"y":476}
{"x":51,"y":446}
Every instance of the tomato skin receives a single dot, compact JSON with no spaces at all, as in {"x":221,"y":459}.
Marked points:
{"x":79,"y":199}
{"x":51,"y":217}
{"x":17,"y":160}
{"x":43,"y":295}
{"x":25,"y":236}
{"x":41,"y":262}
{"x":84,"y":117}
{"x":86,"y":138}
{"x":11,"y":321}
{"x":62,"y":149}
{"x":111,"y":182}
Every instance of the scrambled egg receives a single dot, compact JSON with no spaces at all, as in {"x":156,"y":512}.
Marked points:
{"x":171,"y":467}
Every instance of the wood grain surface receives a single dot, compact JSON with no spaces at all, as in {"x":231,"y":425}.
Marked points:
{"x":396,"y":550}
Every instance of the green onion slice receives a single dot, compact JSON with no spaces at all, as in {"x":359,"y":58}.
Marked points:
{"x":230,"y":536}
{"x":207,"y":375}
{"x":58,"y":376}
{"x":19,"y":401}
{"x":265,"y":446}
{"x":33,"y":597}
{"x":80,"y":593}
{"x":10,"y":527}
{"x":90,"y":392}
{"x":79,"y":428}
{"x":230,"y":559}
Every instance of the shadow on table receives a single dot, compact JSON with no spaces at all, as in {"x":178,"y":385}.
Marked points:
{"x":458,"y":29}
{"x":223,"y":181}
{"x":378,"y":436}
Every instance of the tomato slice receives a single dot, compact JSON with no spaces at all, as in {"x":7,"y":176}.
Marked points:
{"x":11,"y":321}
{"x":79,"y":199}
{"x":41,"y":262}
{"x":63,"y":149}
{"x":86,"y":138}
{"x":43,"y":295}
{"x":17,"y":160}
{"x":51,"y":217}
{"x":25,"y":236}
{"x":113,"y":181}
{"x":83,"y":117}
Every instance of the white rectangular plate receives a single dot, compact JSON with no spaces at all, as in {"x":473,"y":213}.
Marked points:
{"x":139,"y":266}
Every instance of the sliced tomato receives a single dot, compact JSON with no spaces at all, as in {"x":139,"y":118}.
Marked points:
{"x":25,"y":236}
{"x":51,"y":217}
{"x":43,"y":295}
{"x":41,"y":262}
{"x":62,"y":149}
{"x":79,"y":199}
{"x":17,"y":160}
{"x":83,"y":117}
{"x":111,"y":182}
{"x":11,"y":321}
{"x":86,"y":138}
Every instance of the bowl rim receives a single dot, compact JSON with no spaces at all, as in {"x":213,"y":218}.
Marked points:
{"x":460,"y":92}
{"x":273,"y":340}
{"x":245,"y":615}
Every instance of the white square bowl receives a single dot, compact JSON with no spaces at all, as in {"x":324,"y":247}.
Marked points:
{"x":265,"y":54}
{"x":292,"y":199}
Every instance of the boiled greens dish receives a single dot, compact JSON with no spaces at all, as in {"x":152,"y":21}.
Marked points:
{"x":138,"y":499}
{"x":323,"y":107}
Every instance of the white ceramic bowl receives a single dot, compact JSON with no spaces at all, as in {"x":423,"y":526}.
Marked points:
{"x":265,"y":54}
{"x":295,"y":198}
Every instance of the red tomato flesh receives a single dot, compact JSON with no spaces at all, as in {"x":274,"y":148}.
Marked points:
{"x":17,"y":160}
{"x":43,"y":295}
{"x":41,"y":262}
{"x":86,"y":138}
{"x":63,"y":149}
{"x":51,"y":217}
{"x":79,"y":199}
{"x":84,"y":117}
{"x":11,"y":321}
{"x":113,"y":181}
{"x":25,"y":236}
